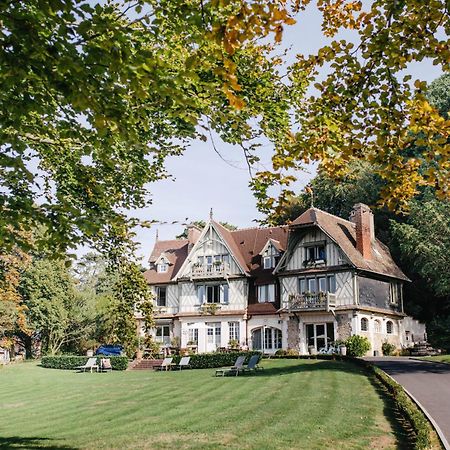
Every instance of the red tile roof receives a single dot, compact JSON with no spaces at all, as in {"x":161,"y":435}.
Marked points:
{"x":176,"y":252}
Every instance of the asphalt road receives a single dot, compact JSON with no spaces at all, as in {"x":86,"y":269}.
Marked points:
{"x":428,"y":382}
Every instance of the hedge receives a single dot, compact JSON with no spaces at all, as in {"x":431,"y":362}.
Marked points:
{"x":213,"y":360}
{"x":69,"y":362}
{"x":407,"y":408}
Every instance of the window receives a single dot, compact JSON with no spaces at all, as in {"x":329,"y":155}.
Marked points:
{"x":163,"y":334}
{"x":315,"y":253}
{"x":266,"y":293}
{"x":269,"y":257}
{"x":377,"y":326}
{"x":193,"y":336}
{"x":395,"y":293}
{"x":266,"y":338}
{"x":389,"y":327}
{"x":233,"y":328}
{"x":317,"y":284}
{"x":161,"y":295}
{"x":364,"y":324}
{"x":212,"y":293}
{"x":162,"y":267}
{"x":268,"y":262}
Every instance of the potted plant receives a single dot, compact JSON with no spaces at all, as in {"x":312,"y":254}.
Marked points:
{"x":233,"y":344}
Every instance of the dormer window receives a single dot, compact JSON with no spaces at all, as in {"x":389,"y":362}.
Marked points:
{"x":162,"y":267}
{"x":269,"y":255}
{"x":269,"y":262}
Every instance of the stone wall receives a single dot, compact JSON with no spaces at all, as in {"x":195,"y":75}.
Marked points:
{"x":293,"y":333}
{"x":344,"y":327}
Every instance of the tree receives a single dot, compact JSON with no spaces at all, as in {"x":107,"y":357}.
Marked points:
{"x":12,"y":308}
{"x":365,"y":107}
{"x":425,"y":242}
{"x":56,"y":313}
{"x":95,"y":97}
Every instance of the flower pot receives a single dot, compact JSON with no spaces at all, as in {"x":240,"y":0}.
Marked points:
{"x":343,"y":350}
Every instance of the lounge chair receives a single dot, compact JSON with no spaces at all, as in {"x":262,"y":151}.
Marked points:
{"x":253,"y":364}
{"x":238,"y":367}
{"x":165,"y":365}
{"x":105,"y":365}
{"x":90,"y":364}
{"x":184,"y":362}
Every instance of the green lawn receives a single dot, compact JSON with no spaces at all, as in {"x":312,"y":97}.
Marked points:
{"x":440,"y":358}
{"x":291,"y":405}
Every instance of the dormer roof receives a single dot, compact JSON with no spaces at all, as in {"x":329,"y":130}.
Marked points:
{"x":175,"y":252}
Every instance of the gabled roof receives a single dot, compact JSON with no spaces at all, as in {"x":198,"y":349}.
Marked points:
{"x":251,"y":241}
{"x":231,"y":244}
{"x":175,"y":251}
{"x":343,"y":233}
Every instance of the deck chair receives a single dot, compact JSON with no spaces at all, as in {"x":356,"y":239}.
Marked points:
{"x":90,"y":364}
{"x":184,"y":362}
{"x":105,"y":365}
{"x":238,"y":367}
{"x":165,"y":365}
{"x":253,"y":364}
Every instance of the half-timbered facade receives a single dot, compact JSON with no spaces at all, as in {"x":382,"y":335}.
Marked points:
{"x":302,"y":286}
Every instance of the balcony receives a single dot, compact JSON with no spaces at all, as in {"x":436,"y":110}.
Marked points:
{"x":218,"y":269}
{"x":320,"y":301}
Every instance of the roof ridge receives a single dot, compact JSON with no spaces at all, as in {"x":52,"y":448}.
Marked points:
{"x":258,"y":228}
{"x":332,"y":215}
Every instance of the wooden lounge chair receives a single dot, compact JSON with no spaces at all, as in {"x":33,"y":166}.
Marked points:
{"x":90,"y":364}
{"x":165,"y":365}
{"x":252,"y":365}
{"x":184,"y":362}
{"x":238,"y":367}
{"x":105,"y":365}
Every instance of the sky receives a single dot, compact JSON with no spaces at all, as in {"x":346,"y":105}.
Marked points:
{"x":203,"y":180}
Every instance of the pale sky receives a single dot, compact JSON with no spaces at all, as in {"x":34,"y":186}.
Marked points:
{"x":203,"y":180}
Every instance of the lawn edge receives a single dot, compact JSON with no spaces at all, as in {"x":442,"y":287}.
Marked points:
{"x":427,"y":432}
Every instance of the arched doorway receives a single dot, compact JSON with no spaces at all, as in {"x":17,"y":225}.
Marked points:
{"x":266,"y":339}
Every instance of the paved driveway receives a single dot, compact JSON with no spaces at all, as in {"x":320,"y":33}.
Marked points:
{"x":428,"y":382}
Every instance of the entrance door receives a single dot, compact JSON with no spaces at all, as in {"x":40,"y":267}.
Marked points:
{"x":213,"y":336}
{"x":319,"y":335}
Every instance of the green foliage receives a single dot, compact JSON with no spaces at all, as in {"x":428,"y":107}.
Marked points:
{"x":213,"y":360}
{"x":69,"y":362}
{"x":99,"y":95}
{"x":425,"y":242}
{"x":387,"y":348}
{"x":438,"y":95}
{"x":357,"y":346}
{"x":55,"y":311}
{"x":438,"y":331}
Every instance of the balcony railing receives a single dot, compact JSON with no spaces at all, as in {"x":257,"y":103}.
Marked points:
{"x":215,"y":270}
{"x":320,"y":301}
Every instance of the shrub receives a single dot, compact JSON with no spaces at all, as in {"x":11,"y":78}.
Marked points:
{"x":212,"y":360}
{"x":387,"y":348}
{"x":69,"y":362}
{"x":357,"y":345}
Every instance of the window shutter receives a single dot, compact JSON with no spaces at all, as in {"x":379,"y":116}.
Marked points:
{"x":201,"y":293}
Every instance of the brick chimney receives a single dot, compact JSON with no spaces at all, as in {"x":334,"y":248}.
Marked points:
{"x":193,"y":233}
{"x":362,"y":217}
